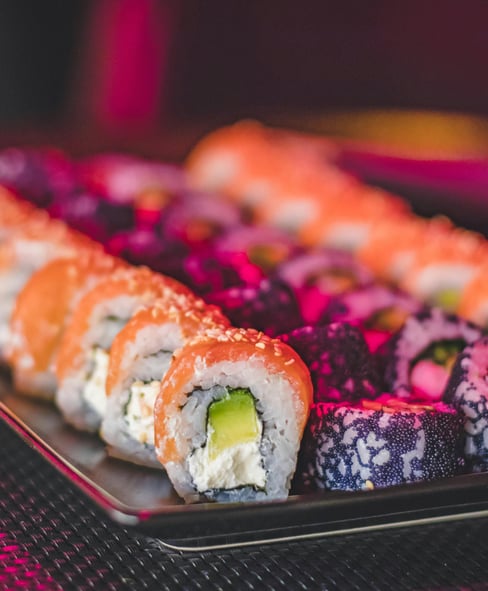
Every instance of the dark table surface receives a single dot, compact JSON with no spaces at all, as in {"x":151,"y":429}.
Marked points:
{"x":52,"y":537}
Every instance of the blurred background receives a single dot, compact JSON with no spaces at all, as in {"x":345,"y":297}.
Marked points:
{"x":127,"y":67}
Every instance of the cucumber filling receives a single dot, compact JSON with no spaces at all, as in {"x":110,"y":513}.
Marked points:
{"x":388,"y":319}
{"x":231,"y":456}
{"x":448,"y":299}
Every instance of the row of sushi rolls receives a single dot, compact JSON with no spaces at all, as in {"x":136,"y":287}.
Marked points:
{"x":253,"y":322}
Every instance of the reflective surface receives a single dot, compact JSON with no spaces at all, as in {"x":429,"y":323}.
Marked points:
{"x":144,"y":498}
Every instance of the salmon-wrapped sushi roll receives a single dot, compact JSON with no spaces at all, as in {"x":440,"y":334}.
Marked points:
{"x":230,"y":416}
{"x":14,"y":213}
{"x":42,"y":311}
{"x":390,"y":250}
{"x":250,"y":162}
{"x":347,"y":223}
{"x":223,"y":158}
{"x":442,"y":268}
{"x":83,"y":356}
{"x":473,"y":304}
{"x":39,"y":241}
{"x":139,"y":357}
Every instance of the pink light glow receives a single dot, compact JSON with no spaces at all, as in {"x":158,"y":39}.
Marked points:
{"x":18,"y":568}
{"x":131,"y":38}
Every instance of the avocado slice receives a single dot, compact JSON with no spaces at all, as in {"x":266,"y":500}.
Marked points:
{"x":232,"y":420}
{"x":448,"y":299}
{"x":442,"y":352}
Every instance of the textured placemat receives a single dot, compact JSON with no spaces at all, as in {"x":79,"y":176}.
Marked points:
{"x":51,"y":537}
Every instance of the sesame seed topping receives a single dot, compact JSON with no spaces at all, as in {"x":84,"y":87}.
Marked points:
{"x":260,"y":345}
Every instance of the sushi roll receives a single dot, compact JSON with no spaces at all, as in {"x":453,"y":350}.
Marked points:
{"x":442,"y":268}
{"x":264,"y":246}
{"x":473,"y":304}
{"x":378,"y":310}
{"x":38,"y":175}
{"x":319,"y":274}
{"x":299,"y":196}
{"x":145,"y":246}
{"x":379,"y":443}
{"x":340,"y":364}
{"x":270,"y":306}
{"x":348,"y":222}
{"x":467,"y":390}
{"x":139,"y":357}
{"x":390,"y":250}
{"x":83,"y":355}
{"x":196,"y":219}
{"x":230,"y":416}
{"x":210,"y":271}
{"x":38,"y":241}
{"x":272,"y":173}
{"x":419,"y":357}
{"x":127,"y":180}
{"x":42,"y":311}
{"x":14,"y":213}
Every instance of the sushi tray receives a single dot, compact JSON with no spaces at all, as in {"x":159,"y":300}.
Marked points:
{"x":254,"y":347}
{"x":143,"y":498}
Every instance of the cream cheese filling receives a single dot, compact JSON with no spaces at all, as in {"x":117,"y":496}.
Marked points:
{"x":239,"y":465}
{"x":94,"y":391}
{"x":139,"y":412}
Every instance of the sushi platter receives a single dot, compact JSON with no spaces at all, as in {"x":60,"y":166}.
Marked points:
{"x":250,"y":348}
{"x":151,"y":506}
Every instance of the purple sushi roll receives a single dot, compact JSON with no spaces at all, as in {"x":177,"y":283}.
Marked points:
{"x":381,"y":443}
{"x":378,"y":310}
{"x":419,"y":357}
{"x":144,"y":247}
{"x":265,"y":247}
{"x":467,"y":390}
{"x":270,"y":306}
{"x":92,"y":214}
{"x":37,"y":175}
{"x":207,"y":271}
{"x":319,"y":274}
{"x":196,"y":219}
{"x":340,"y":363}
{"x":127,"y":179}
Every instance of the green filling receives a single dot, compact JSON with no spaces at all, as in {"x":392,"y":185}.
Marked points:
{"x":232,"y":420}
{"x":335,"y":279}
{"x":442,"y":352}
{"x":390,"y":318}
{"x":447,"y":299}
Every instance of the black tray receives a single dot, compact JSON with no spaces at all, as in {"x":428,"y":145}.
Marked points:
{"x":144,"y":499}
